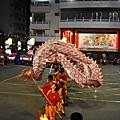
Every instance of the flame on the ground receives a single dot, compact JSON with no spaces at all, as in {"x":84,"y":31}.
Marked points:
{"x":43,"y":117}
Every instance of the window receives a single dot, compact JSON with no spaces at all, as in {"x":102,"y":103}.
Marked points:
{"x":23,"y":19}
{"x":57,"y":1}
{"x":23,"y":29}
{"x":19,"y":28}
{"x":56,"y":31}
{"x":40,"y":32}
{"x":39,"y":17}
{"x":56,"y":14}
{"x":10,"y":15}
{"x":20,"y":9}
{"x":10,"y":25}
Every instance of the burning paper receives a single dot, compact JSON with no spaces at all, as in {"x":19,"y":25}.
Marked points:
{"x":43,"y":117}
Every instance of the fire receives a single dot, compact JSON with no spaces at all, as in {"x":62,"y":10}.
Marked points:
{"x":43,"y":117}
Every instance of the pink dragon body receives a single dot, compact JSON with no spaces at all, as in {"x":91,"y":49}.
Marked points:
{"x":59,"y":51}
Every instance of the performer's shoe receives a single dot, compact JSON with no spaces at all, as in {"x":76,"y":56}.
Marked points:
{"x":65,"y":104}
{"x":63,"y":114}
{"x":67,"y":97}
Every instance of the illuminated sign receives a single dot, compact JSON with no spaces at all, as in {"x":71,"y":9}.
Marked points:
{"x":30,"y":44}
{"x":19,"y":45}
{"x":8,"y":44}
{"x":108,"y":41}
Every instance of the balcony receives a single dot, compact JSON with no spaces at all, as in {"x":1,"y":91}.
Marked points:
{"x":40,"y":8}
{"x":89,"y":4}
{"x":89,"y":23}
{"x":44,"y":25}
{"x":44,"y":37}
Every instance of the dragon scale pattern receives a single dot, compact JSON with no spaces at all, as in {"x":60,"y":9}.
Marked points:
{"x":47,"y":52}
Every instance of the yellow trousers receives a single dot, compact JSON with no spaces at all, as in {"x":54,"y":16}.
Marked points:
{"x":65,"y":93}
{"x":60,"y":91}
{"x":50,"y":111}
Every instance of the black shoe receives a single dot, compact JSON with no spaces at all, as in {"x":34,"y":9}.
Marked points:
{"x":67,"y":97}
{"x":65,"y":104}
{"x":63,"y":114}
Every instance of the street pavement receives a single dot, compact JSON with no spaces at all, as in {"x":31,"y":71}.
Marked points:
{"x":23,"y":101}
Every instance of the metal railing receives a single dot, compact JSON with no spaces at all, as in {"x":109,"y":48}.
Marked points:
{"x":46,"y":35}
{"x":86,"y":0}
{"x":40,"y":22}
{"x":40,"y":4}
{"x":90,"y":20}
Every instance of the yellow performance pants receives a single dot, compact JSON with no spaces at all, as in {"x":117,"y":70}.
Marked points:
{"x":60,"y":91}
{"x":65,"y":93}
{"x":50,"y":111}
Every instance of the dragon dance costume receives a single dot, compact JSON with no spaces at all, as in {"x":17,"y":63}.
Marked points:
{"x":47,"y":52}
{"x":60,"y":91}
{"x":47,"y":87}
{"x":52,"y":104}
{"x":65,"y":90}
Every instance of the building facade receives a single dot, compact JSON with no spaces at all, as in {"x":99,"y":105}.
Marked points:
{"x":45,"y":20}
{"x":14,"y":20}
{"x":92,"y":26}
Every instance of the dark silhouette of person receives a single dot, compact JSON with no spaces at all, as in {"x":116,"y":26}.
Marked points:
{"x":115,"y":61}
{"x":5,"y":59}
{"x":76,"y":116}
